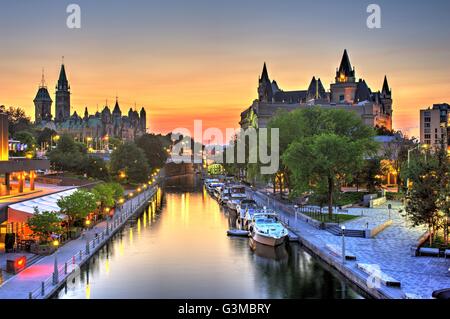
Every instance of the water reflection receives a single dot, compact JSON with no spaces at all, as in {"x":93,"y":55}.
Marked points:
{"x":182,"y":251}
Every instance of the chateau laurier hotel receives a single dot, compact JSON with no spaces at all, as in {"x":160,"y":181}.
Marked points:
{"x":347,"y":93}
{"x":96,"y":126}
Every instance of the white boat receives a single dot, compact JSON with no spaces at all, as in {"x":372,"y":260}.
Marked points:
{"x":225,"y":195}
{"x":243,"y":206}
{"x":237,"y":194}
{"x":212,"y":186}
{"x":248,"y":217}
{"x":267,"y":230}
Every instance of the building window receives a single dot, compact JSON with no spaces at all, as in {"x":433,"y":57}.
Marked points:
{"x":427,"y":119}
{"x":427,"y":136}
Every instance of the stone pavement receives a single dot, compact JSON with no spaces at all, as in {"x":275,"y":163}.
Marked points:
{"x":20,"y":285}
{"x":390,"y":249}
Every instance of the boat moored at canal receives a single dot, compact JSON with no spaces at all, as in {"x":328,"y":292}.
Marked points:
{"x":266,"y":229}
{"x":243,"y":206}
{"x":237,"y":194}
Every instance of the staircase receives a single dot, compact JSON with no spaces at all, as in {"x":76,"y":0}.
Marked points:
{"x":336,"y":230}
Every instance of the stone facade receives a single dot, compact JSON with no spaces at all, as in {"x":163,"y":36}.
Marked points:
{"x":95,"y":126}
{"x":374,"y":108}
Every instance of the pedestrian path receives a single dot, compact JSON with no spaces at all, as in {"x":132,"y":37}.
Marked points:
{"x":30,"y":279}
{"x":390,"y":250}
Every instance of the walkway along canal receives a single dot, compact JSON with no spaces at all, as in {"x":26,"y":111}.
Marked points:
{"x":41,"y":280}
{"x":182,"y":251}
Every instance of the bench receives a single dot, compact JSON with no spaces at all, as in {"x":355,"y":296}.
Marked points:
{"x":337,"y":251}
{"x":428,"y":251}
{"x":376,"y":273}
{"x":447,"y":253}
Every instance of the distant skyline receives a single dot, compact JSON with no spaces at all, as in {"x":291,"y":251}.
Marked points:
{"x":198,"y":59}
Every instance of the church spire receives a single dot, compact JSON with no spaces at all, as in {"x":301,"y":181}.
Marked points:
{"x":42,"y":85}
{"x":386,"y":90}
{"x":62,"y":81}
{"x":345,"y":73}
{"x":265,"y":74}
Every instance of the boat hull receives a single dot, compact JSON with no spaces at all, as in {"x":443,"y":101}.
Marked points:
{"x":267,"y":240}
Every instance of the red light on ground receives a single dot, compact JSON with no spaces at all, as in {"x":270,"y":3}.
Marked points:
{"x":20,"y":262}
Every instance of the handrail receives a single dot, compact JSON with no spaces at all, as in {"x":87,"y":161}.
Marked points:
{"x":86,"y":253}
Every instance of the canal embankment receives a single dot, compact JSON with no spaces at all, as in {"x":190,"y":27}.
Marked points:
{"x":41,"y":281}
{"x":389,"y":257}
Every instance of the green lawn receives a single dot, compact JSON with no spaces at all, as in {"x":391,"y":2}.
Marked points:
{"x":325,"y":218}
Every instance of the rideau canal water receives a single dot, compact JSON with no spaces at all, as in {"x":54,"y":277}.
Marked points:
{"x":182,"y":251}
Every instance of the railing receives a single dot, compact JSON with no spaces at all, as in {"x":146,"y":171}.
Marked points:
{"x":318,"y":214}
{"x":50,"y":285}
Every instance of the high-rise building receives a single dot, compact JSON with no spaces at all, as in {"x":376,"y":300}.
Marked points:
{"x":435,"y":125}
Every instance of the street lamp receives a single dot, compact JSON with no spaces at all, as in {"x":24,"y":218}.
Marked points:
{"x":296,"y":209}
{"x":55,"y":268}
{"x":343,"y":244}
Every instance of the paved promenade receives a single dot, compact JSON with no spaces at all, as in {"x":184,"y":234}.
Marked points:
{"x":390,"y":250}
{"x":30,"y":279}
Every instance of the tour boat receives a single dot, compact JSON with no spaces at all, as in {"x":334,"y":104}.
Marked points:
{"x":267,"y":230}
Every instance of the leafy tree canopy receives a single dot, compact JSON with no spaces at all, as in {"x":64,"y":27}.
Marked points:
{"x":130,"y":159}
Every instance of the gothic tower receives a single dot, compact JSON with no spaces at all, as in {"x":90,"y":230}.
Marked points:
{"x":42,"y":103}
{"x":265,"y":92}
{"x":344,"y":89}
{"x":62,"y":104}
{"x":143,"y":121}
{"x":386,"y":97}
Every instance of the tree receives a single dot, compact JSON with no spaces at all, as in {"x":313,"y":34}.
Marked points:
{"x":117,"y":189}
{"x":17,"y":119}
{"x":78,"y":205}
{"x":324,"y":148}
{"x":27,"y":138}
{"x":108,"y":194}
{"x":370,"y":174}
{"x":45,"y":136}
{"x":114,"y":142}
{"x":67,"y":156}
{"x":44,"y":224}
{"x":94,"y":167}
{"x":154,"y":150}
{"x":130,"y":160}
{"x":428,"y":199}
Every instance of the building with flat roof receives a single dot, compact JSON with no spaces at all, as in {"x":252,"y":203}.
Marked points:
{"x":17,"y":174}
{"x":435,"y":125}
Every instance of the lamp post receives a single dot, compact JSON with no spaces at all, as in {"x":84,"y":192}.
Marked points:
{"x":296,"y":210}
{"x":343,"y":244}
{"x":55,"y":266}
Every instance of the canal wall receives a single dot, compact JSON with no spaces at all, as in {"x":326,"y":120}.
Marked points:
{"x":85,"y":249}
{"x":319,"y":250}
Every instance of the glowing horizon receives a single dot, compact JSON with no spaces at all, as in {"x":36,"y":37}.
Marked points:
{"x":202,"y":61}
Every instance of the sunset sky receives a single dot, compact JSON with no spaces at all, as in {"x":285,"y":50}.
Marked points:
{"x":200,"y":59}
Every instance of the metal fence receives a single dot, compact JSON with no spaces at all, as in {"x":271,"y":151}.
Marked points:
{"x":319,"y":214}
{"x":51,"y":284}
